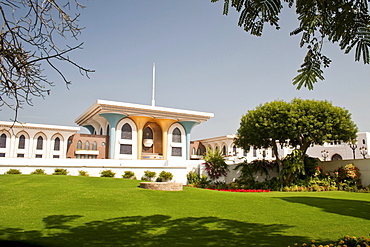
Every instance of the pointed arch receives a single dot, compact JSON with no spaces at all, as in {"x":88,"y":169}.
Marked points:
{"x":177,"y":141}
{"x":3,"y":140}
{"x":126,"y":139}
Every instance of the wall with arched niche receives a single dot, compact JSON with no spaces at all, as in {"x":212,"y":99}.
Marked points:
{"x":176,"y":142}
{"x":126,"y":140}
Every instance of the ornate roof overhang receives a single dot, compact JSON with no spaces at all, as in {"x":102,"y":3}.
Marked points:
{"x":129,"y":109}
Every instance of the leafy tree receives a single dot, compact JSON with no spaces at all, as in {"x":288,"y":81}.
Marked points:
{"x":345,"y":22}
{"x":31,"y":38}
{"x":298,"y":124}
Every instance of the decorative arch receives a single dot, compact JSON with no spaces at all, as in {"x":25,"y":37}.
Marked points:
{"x":126,"y":140}
{"x":39,"y":145}
{"x":336,"y":157}
{"x":177,"y":141}
{"x":224,"y":149}
{"x":235,"y":152}
{"x":176,"y":135}
{"x":22,"y":144}
{"x":57,"y":146}
{"x":79,"y":145}
{"x":4,"y":143}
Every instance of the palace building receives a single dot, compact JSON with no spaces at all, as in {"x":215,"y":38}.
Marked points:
{"x":140,"y":132}
{"x":120,"y":131}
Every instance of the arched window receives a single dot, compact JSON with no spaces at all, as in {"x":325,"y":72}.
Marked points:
{"x":148,"y":133}
{"x":57,"y":144}
{"x":3,"y":141}
{"x":126,"y":132}
{"x":176,"y":135}
{"x":87,"y":145}
{"x":108,"y":130}
{"x":193,"y":151}
{"x":363,"y":141}
{"x":40,"y":143}
{"x":336,"y":157}
{"x":234,"y":150}
{"x":21,"y":142}
{"x":94,"y":146}
{"x":101,"y":131}
{"x":199,"y":152}
{"x":224,"y":150}
{"x":79,"y":145}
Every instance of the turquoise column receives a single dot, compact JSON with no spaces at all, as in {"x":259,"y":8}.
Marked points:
{"x":90,"y":128}
{"x":113,"y":119}
{"x":188,"y":126}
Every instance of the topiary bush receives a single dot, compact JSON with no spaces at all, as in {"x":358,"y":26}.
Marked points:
{"x":107,"y":174}
{"x":148,"y":176}
{"x":39,"y":172}
{"x":60,"y":171}
{"x":13,"y":171}
{"x":83,"y":173}
{"x":165,"y":176}
{"x":129,"y":175}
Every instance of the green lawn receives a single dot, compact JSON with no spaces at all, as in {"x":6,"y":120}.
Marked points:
{"x":86,"y":211}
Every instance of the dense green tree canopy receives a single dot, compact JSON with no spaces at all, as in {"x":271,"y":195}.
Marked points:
{"x":345,"y":22}
{"x":298,"y":124}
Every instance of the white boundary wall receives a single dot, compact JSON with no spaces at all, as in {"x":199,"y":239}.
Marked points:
{"x":362,"y":164}
{"x":328,"y":166}
{"x":179,"y":168}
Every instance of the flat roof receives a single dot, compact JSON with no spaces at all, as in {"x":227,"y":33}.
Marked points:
{"x":129,"y":109}
{"x":7,"y":124}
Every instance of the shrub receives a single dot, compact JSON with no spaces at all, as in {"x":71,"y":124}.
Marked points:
{"x":60,"y":171}
{"x":192,"y":177}
{"x":165,"y":176}
{"x":148,"y":176}
{"x":203,"y":182}
{"x":345,"y":241}
{"x":129,"y":175}
{"x":107,"y":174}
{"x":83,"y":173}
{"x":39,"y":172}
{"x":13,"y":171}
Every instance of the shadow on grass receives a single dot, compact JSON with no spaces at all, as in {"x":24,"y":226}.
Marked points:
{"x":155,"y":230}
{"x":353,"y":208}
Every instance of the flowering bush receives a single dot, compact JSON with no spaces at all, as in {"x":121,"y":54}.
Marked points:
{"x":346,"y":241}
{"x":348,"y":175}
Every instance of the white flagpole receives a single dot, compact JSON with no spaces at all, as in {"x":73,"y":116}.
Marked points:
{"x":153,"y":86}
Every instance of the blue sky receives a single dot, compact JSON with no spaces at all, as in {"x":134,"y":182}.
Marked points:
{"x":204,"y":62}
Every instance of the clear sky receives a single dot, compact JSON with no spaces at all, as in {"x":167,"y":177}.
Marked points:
{"x":204,"y":62}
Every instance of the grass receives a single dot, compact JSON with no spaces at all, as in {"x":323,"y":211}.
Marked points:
{"x":86,"y":211}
